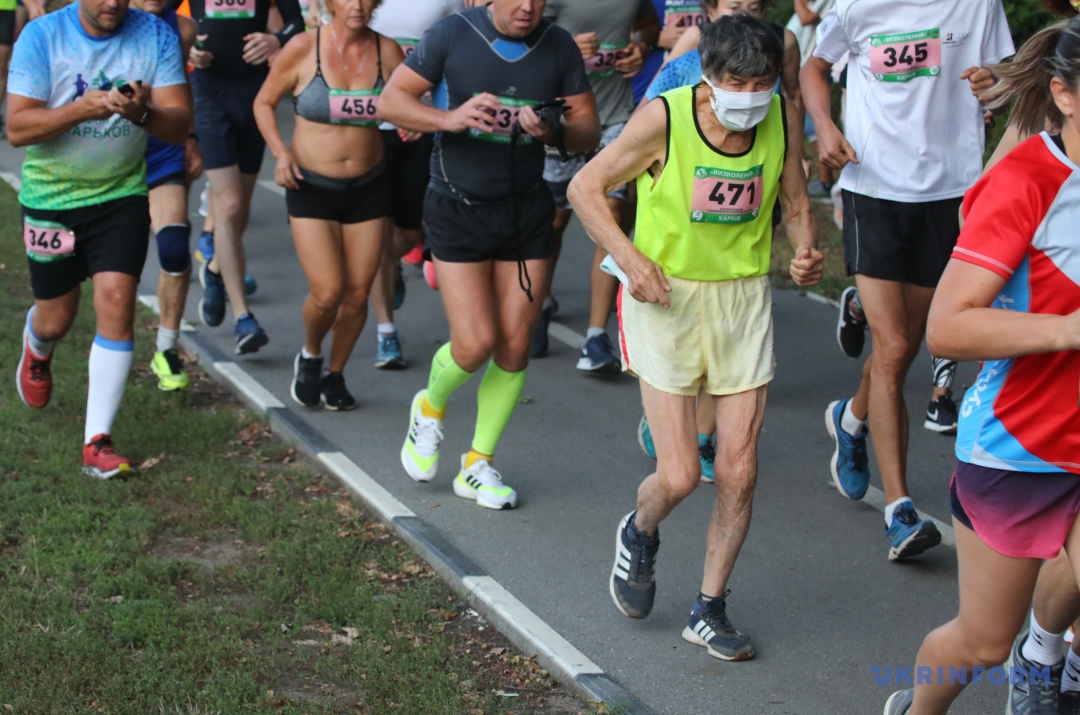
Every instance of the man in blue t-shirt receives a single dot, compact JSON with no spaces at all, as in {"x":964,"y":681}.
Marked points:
{"x":86,"y":85}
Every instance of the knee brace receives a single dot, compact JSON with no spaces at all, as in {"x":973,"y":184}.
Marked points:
{"x":172,"y":246}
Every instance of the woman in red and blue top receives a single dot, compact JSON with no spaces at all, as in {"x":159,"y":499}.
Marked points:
{"x":1010,"y":297}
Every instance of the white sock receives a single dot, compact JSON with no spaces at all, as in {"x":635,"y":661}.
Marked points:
{"x":386,"y":328}
{"x":110,"y":361}
{"x":166,"y":339}
{"x":593,"y":332}
{"x":850,"y":423}
{"x":41,"y":348}
{"x":306,"y":355}
{"x":1041,"y":646}
{"x":890,"y":508}
{"x":1070,"y":679}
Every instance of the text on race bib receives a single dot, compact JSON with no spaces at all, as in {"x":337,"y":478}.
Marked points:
{"x":407,"y":46}
{"x":722,"y":196}
{"x":683,"y":13}
{"x":230,"y":9}
{"x":505,"y":116}
{"x":602,"y":64}
{"x":354,"y":107}
{"x":899,"y":58}
{"x":47,"y":241}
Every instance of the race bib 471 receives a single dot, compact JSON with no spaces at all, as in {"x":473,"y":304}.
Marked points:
{"x":899,"y":58}
{"x":722,"y":196}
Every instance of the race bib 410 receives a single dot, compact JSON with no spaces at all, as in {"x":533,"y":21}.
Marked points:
{"x":899,"y":58}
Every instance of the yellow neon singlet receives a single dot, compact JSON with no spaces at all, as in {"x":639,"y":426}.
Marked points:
{"x":709,"y":216}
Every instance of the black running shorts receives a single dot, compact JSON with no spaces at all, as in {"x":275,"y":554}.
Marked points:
{"x":461,"y":233}
{"x":225,"y":121}
{"x":345,"y":201}
{"x":112,"y":236}
{"x":408,"y":170}
{"x":7,"y":27}
{"x":898,"y":241}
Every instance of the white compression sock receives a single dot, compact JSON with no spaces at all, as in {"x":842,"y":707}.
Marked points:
{"x":1041,"y":646}
{"x":850,"y":423}
{"x":110,"y":361}
{"x":890,"y":508}
{"x":386,"y":328}
{"x":166,"y":339}
{"x":41,"y":348}
{"x":1070,"y":679}
{"x":593,"y":332}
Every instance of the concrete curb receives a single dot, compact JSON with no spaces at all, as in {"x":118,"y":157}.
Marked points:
{"x":517,"y":622}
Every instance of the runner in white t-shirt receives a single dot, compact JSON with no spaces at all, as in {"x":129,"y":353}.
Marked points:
{"x":913,"y":146}
{"x":407,"y":158}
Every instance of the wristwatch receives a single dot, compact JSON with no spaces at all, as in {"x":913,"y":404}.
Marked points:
{"x":144,"y":119}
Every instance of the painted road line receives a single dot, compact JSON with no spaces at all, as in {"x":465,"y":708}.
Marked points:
{"x":248,"y":387}
{"x":356,"y":479}
{"x":272,"y":186}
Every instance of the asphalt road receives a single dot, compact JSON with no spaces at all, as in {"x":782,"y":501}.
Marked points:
{"x":812,"y":587}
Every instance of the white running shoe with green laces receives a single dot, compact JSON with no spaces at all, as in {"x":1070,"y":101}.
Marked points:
{"x":420,"y":453}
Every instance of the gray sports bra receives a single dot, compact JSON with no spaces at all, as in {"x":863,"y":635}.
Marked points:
{"x":354,"y":107}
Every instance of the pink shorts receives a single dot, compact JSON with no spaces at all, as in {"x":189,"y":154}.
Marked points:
{"x":1026,"y":515}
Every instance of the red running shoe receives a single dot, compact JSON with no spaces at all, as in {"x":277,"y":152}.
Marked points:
{"x":33,"y":377}
{"x":101,"y":461}
{"x":429,"y":275}
{"x":416,"y":256}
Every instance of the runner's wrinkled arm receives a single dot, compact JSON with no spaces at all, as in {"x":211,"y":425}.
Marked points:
{"x":281,"y":80}
{"x":800,"y":223}
{"x":789,"y":79}
{"x":641,"y":146}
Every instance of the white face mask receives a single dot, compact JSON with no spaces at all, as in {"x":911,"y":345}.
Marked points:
{"x":739,"y":111}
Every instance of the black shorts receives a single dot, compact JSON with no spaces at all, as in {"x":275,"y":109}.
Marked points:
{"x":225,"y":122}
{"x":178,"y":178}
{"x":898,"y":241}
{"x":7,"y":27}
{"x":346,"y":201}
{"x":461,"y":233}
{"x":408,"y":167}
{"x":112,"y":236}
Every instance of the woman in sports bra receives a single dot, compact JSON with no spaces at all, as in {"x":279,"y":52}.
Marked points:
{"x":333,"y":178}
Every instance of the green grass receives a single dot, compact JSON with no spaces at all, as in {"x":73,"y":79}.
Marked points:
{"x":228,"y":577}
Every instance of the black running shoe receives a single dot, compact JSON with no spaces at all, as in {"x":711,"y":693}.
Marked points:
{"x":1038,"y":695}
{"x":334,"y":394}
{"x":633,"y":586}
{"x":540,"y":334}
{"x":711,"y":629}
{"x":942,"y":415}
{"x":850,"y":331}
{"x":307,"y":374}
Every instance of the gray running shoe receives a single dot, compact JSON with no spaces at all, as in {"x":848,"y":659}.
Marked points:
{"x":711,"y":629}
{"x":633,"y":586}
{"x":899,"y":702}
{"x":1032,"y":696}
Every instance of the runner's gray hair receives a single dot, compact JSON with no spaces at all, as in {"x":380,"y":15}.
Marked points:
{"x":741,"y":45}
{"x":1052,"y":52}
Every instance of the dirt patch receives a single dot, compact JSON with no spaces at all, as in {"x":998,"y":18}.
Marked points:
{"x":208,"y":555}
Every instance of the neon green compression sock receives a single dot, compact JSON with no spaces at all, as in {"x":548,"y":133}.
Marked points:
{"x":445,"y":377}
{"x":495,"y":402}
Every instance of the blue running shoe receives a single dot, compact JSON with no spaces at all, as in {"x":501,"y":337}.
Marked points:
{"x":644,"y":438}
{"x":249,"y":336}
{"x":706,"y":447}
{"x":540,"y":344}
{"x":399,"y":288}
{"x":850,"y":469}
{"x":598,"y":356}
{"x":633,"y":586}
{"x":909,"y":535}
{"x":710,"y":628}
{"x":204,"y":247}
{"x":250,"y":286}
{"x":212,"y":304}
{"x":389,"y":355}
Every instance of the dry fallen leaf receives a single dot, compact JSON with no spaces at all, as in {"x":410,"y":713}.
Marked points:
{"x":307,"y":643}
{"x":116,"y":599}
{"x":151,"y":463}
{"x":498,"y":651}
{"x":338,"y":639}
